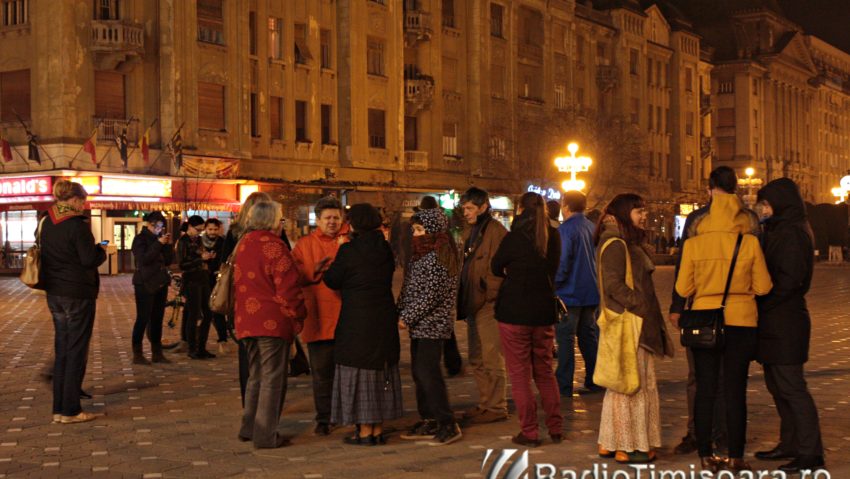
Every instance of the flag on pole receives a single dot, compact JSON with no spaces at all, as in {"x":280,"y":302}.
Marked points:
{"x":121,"y":144}
{"x":5,"y":150}
{"x":145,"y":147}
{"x":89,"y":146}
{"x":34,"y":155}
{"x":176,"y":148}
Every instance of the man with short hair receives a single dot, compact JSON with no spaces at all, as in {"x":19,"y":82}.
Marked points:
{"x":213,"y":242}
{"x":479,"y":288}
{"x":153,"y":253}
{"x":575,"y":284}
{"x":196,"y":284}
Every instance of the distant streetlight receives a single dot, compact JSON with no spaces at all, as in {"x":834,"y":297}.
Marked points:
{"x":750,"y":184}
{"x":573,"y":165}
{"x":839,"y":193}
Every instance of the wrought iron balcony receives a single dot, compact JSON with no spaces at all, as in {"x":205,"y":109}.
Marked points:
{"x":109,"y":128}
{"x":418,"y":93}
{"x":607,"y":77}
{"x":416,"y":160}
{"x":114,"y":42}
{"x":417,"y":27}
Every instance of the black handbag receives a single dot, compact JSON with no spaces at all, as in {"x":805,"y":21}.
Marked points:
{"x":705,"y":328}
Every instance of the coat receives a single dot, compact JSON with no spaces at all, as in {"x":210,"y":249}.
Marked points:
{"x":478,"y":284}
{"x":190,"y":261}
{"x":265,"y":283}
{"x":152,"y":260}
{"x":706,"y":259}
{"x":69,"y":255}
{"x":366,"y":335}
{"x":323,"y":304}
{"x":641,"y":300}
{"x":575,"y":281}
{"x":784,"y":324}
{"x":526,"y":297}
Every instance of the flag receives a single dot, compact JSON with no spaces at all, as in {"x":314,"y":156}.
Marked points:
{"x":6,"y":150}
{"x":121,"y":144}
{"x":89,"y":146}
{"x":33,"y":148}
{"x":146,"y":141}
{"x":176,"y":148}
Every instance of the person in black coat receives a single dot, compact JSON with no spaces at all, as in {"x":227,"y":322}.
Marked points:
{"x":367,"y":384}
{"x":526,"y":311}
{"x":192,"y":258}
{"x":69,"y":261}
{"x":212,"y":242}
{"x":153,"y":254}
{"x":784,"y":327}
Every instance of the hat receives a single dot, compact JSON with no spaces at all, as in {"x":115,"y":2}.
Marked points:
{"x":153,"y":217}
{"x":433,"y":220}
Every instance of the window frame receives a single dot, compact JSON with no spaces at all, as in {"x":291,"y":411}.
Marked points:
{"x":377,"y":137}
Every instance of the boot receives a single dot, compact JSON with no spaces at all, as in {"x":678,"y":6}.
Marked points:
{"x":157,"y":356}
{"x":139,"y":356}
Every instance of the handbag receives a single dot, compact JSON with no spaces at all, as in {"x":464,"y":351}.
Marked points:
{"x":705,"y":328}
{"x":619,"y":337}
{"x":31,"y":271}
{"x":222,"y":299}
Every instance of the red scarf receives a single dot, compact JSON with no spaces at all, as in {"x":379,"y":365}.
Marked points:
{"x":424,"y":244}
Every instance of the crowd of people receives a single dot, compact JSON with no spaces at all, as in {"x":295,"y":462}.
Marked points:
{"x":524,"y":294}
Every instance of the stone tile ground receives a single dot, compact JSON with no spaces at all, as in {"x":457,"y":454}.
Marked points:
{"x":180,"y":420}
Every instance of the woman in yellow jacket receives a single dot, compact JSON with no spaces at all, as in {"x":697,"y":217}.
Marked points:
{"x":706,"y":259}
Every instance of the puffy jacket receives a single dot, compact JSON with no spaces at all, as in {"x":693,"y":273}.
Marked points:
{"x":152,"y":258}
{"x":706,"y":259}
{"x":69,"y":255}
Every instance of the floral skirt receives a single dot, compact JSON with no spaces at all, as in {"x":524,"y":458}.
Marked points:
{"x":366,"y":396}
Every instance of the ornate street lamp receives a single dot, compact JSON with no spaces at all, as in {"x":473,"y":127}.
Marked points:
{"x":842,"y":191}
{"x":573,"y":165}
{"x":750,"y":184}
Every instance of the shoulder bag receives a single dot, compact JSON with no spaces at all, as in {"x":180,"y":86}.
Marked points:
{"x":31,"y":271}
{"x":222,"y":299}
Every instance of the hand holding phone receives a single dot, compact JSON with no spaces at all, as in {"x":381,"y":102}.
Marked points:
{"x":104,"y":242}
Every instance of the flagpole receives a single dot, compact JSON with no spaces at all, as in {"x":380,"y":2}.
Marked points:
{"x":30,"y":135}
{"x":19,"y":156}
{"x":139,"y":142}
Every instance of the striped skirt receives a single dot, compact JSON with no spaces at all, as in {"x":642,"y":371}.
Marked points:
{"x":366,"y":396}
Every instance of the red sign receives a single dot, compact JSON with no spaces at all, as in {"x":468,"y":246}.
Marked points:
{"x":39,"y":185}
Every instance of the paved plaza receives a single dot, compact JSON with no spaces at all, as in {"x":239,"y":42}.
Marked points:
{"x":180,"y":420}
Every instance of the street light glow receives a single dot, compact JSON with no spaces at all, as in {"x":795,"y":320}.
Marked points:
{"x":573,"y":185}
{"x":573,"y":165}
{"x":572,"y":148}
{"x":750,"y":171}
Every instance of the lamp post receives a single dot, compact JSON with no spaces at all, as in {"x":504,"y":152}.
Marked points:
{"x":750,"y":183}
{"x":573,"y":165}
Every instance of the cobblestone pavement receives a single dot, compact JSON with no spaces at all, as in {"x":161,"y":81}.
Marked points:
{"x":180,"y":420}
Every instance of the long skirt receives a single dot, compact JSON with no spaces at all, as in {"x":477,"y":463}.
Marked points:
{"x":632,"y":422}
{"x":366,"y":396}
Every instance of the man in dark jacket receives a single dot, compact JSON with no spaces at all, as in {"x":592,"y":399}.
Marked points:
{"x":784,"y":327}
{"x":153,"y":253}
{"x":196,"y":284}
{"x":213,"y":242}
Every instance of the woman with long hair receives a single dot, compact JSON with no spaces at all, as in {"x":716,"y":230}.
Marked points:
{"x":526,"y":310}
{"x":630,"y":426}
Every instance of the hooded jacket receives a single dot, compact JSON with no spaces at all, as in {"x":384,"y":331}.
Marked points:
{"x":707,"y":257}
{"x":784,"y":323}
{"x":69,"y":255}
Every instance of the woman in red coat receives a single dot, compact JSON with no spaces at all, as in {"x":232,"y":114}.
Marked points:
{"x":269,"y":313}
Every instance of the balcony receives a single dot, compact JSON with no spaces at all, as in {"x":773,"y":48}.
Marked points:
{"x":705,"y":146}
{"x":418,"y":94}
{"x":117,"y":44}
{"x":530,"y":51}
{"x":417,"y":27}
{"x":607,"y":77}
{"x":109,"y":128}
{"x":416,"y":160}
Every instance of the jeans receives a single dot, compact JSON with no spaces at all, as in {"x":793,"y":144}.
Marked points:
{"x":799,"y":431}
{"x":150,"y":309}
{"x":198,"y":307}
{"x":581,"y":322}
{"x":73,"y":320}
{"x":432,"y":397}
{"x":266,"y":389}
{"x":322,"y":369}
{"x":734,"y":360}
{"x":451,"y":356}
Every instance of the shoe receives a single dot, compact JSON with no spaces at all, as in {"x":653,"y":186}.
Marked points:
{"x":194,"y":355}
{"x":322,"y":430}
{"x":57,"y":418}
{"x":446,"y":435}
{"x":178,"y":347}
{"x":361,"y":440}
{"x":488,"y":417}
{"x":204,"y":354}
{"x":605,"y":453}
{"x":279,"y":442}
{"x":473,"y":412}
{"x":454,"y":373}
{"x":803,"y":463}
{"x":380,"y":439}
{"x":687,"y":446}
{"x":556,"y":438}
{"x":635,"y":457}
{"x":737,"y":465}
{"x":710,"y":463}
{"x":583,"y":391}
{"x":222,"y":347}
{"x":84,"y":394}
{"x":157,"y":356}
{"x":81,"y":417}
{"x":139,"y":356}
{"x":775,"y":454}
{"x":425,"y":429}
{"x":243,"y":438}
{"x":522,"y":440}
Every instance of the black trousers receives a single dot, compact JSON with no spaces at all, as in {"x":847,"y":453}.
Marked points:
{"x":322,"y":367}
{"x":266,"y":391}
{"x":451,"y":356}
{"x":150,"y":309}
{"x":799,"y":432}
{"x":719,"y":434}
{"x":432,"y":397}
{"x":73,"y":320}
{"x":198,"y":309}
{"x":734,"y":360}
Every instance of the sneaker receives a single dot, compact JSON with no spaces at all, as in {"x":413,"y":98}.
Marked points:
{"x":81,"y":417}
{"x":426,"y":429}
{"x":57,"y":418}
{"x":447,"y":435}
{"x":487,"y":417}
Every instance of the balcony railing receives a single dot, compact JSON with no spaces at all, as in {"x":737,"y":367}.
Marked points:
{"x":417,"y":27}
{"x":416,"y":160}
{"x":117,"y":36}
{"x":109,"y":128}
{"x":418,"y":93}
{"x":531,"y":51}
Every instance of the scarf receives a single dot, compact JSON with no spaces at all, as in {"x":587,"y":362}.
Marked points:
{"x":440,"y":243}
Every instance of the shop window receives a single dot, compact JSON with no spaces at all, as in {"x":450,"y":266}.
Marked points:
{"x":276,"y":117}
{"x":377,"y":129}
{"x":211,"y":21}
{"x":109,"y":95}
{"x":276,"y":38}
{"x":15,"y":95}
{"x":327,"y":124}
{"x":17,"y":230}
{"x":211,"y":106}
{"x":302,"y":133}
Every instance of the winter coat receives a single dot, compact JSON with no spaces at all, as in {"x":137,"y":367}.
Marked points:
{"x":478,"y":284}
{"x":323,"y":304}
{"x":706,"y":259}
{"x":190,"y":261}
{"x":216,"y":246}
{"x":526,"y":296}
{"x":265,"y":283}
{"x":784,"y":324}
{"x":427,"y":301}
{"x":152,"y":260}
{"x":641,"y":300}
{"x":575,"y":281}
{"x":366,"y":335}
{"x":69,"y":255}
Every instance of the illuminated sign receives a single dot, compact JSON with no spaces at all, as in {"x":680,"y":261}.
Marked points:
{"x":145,"y":187}
{"x":39,"y":185}
{"x":90,"y":183}
{"x":687,"y":208}
{"x":546,"y":193}
{"x":501,"y":203}
{"x":845,"y":183}
{"x":246,"y":190}
{"x":448,"y":201}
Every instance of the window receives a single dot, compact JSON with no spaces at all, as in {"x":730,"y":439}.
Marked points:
{"x":689,"y":163}
{"x":302,"y":52}
{"x":375,"y":57}
{"x":15,"y":95}
{"x":531,"y":26}
{"x":601,"y":57}
{"x":755,"y":87}
{"x":255,"y":120}
{"x":580,"y":50}
{"x":659,"y":77}
{"x":633,"y":61}
{"x":276,"y":117}
{"x":325,"y":37}
{"x":301,"y":133}
{"x":725,"y":117}
{"x":450,"y":139}
{"x":580,"y":96}
{"x":104,"y":9}
{"x":109,"y":95}
{"x":450,"y":72}
{"x":210,"y":21}
{"x":377,"y":129}
{"x":726,"y":87}
{"x":689,"y":123}
{"x":276,"y":38}
{"x":649,"y":118}
{"x":497,"y":148}
{"x":449,"y":13}
{"x":497,"y":80}
{"x":755,"y":118}
{"x":560,"y":96}
{"x":649,"y":71}
{"x":689,"y":79}
{"x":14,"y":12}
{"x":252,"y":33}
{"x":211,"y":106}
{"x":326,"y":124}
{"x":635,"y":111}
{"x":411,"y":136}
{"x":658,"y":126}
{"x":530,"y":82}
{"x":496,"y":20}
{"x":667,"y":121}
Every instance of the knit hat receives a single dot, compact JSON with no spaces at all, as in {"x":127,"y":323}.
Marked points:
{"x":433,"y":220}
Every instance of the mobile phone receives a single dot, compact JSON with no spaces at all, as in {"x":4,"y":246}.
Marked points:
{"x":104,"y":242}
